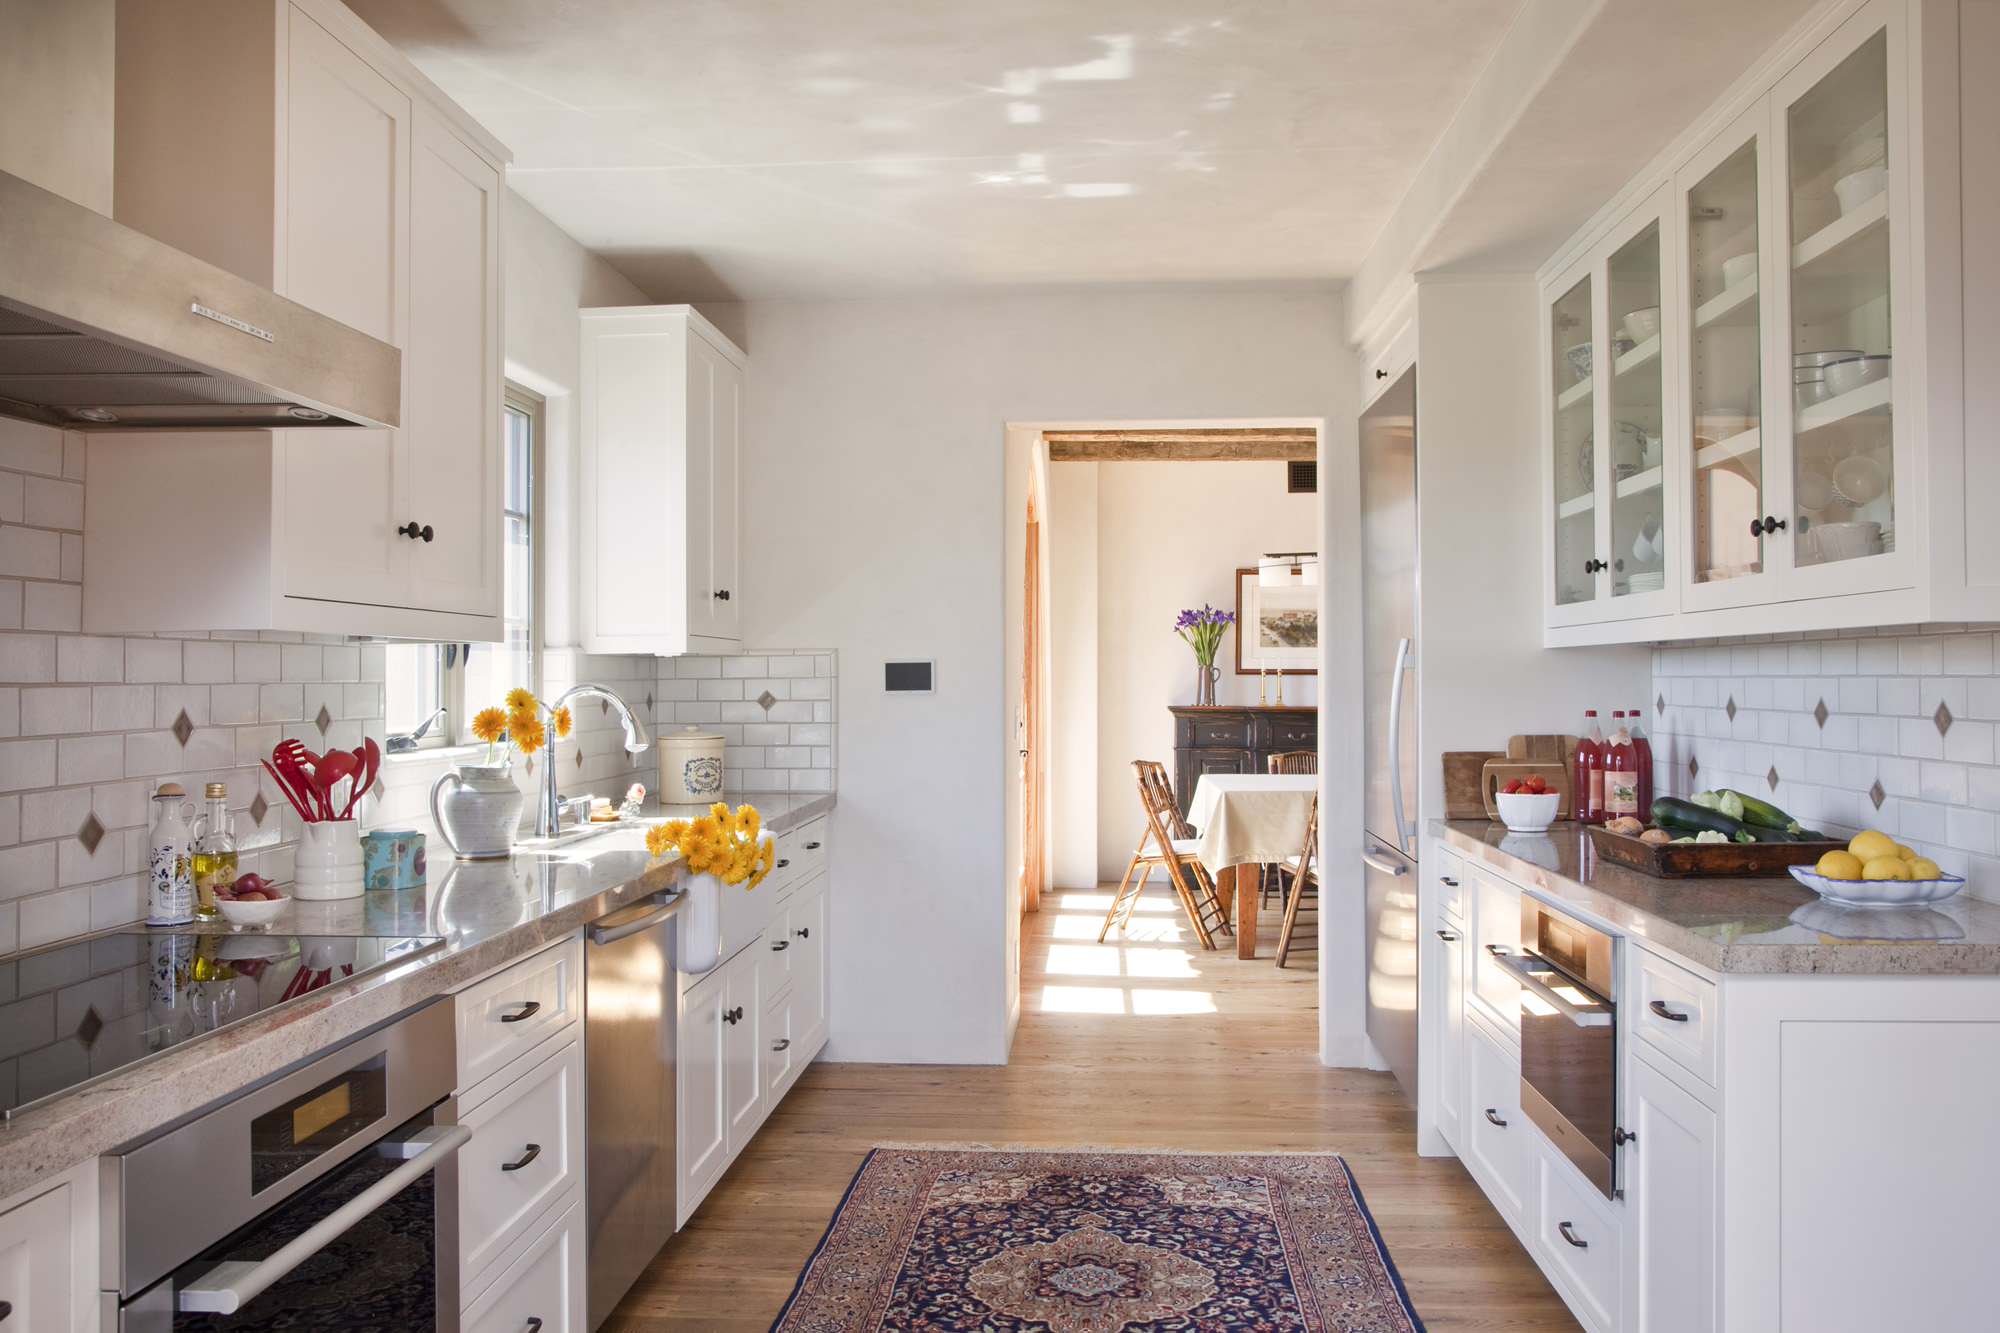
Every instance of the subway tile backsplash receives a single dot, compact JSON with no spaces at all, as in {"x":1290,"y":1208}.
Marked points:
{"x":1892,"y":729}
{"x":773,"y":708}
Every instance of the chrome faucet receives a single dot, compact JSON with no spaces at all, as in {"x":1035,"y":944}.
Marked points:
{"x":548,"y":812}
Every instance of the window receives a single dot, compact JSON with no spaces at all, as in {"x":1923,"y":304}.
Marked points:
{"x":463,"y":678}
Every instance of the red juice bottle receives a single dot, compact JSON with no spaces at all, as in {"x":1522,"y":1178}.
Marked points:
{"x":1642,"y":754}
{"x":1621,"y":772}
{"x":1587,"y":800}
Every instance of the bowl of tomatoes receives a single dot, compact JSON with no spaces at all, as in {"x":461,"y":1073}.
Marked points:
{"x":1527,"y":805}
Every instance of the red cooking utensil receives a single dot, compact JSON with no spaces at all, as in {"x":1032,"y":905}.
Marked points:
{"x":368,"y":755}
{"x":297,"y":762}
{"x":333,"y":766}
{"x":298,"y":800}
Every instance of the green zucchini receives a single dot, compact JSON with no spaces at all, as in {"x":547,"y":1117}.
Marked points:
{"x":1763,"y":813}
{"x":1685,"y":816}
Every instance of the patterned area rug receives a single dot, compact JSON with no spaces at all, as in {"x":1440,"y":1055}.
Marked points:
{"x":967,"y":1240}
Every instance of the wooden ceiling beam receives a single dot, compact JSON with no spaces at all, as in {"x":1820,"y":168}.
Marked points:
{"x":1220,"y":445}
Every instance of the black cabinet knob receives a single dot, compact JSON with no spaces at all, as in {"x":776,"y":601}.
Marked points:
{"x":534,"y":1150}
{"x":1766,"y":526}
{"x":534,"y":1324}
{"x":803,"y":932}
{"x":1448,"y":881}
{"x":415,"y":533}
{"x":1381,"y":374}
{"x":733,"y":1015}
{"x":1594,"y":566}
{"x":722,"y":594}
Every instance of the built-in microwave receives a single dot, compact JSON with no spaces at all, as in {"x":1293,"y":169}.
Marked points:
{"x":1569,"y":1037}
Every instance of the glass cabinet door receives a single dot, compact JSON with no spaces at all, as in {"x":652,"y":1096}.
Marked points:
{"x":1724,"y":345}
{"x":1637,"y":401}
{"x":1575,"y":474}
{"x":1837,"y":170}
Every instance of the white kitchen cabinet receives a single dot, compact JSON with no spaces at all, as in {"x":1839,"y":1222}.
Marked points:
{"x":1818,"y":234}
{"x":742,"y":1048}
{"x":526,"y":1152}
{"x":1447,"y":950}
{"x":1496,"y":933}
{"x":662,"y":400}
{"x":701,"y":1122}
{"x":807,"y":922}
{"x":1577,"y":1236}
{"x":1670,"y":1166}
{"x":317,"y":161}
{"x":39,"y":1286}
{"x":1497,"y":1145}
{"x":542,"y":1285}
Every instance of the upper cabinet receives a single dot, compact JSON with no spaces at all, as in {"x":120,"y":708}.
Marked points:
{"x":288,"y":143}
{"x":1777,"y":361}
{"x":662,"y":399}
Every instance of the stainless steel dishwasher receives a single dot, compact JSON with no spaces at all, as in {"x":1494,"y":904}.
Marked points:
{"x":628,"y":1046}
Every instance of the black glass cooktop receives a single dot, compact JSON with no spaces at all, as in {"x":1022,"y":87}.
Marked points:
{"x":78,"y":1011}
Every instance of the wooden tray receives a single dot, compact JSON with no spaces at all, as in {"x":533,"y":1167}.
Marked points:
{"x":1687,"y":860}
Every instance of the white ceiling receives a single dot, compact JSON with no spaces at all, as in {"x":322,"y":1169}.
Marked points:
{"x":809,"y":148}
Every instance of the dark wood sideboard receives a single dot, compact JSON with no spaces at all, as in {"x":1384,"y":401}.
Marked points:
{"x":1224,"y":739}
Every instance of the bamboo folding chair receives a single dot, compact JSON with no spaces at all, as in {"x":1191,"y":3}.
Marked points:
{"x":1166,"y":830}
{"x":1303,"y":878}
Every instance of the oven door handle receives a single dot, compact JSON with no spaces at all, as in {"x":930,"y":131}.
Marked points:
{"x":233,"y":1284}
{"x":1527,"y":969}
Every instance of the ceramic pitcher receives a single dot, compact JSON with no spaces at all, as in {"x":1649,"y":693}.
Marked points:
{"x":480,"y":816}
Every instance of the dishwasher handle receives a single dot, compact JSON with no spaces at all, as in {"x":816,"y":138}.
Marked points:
{"x":601,"y":934}
{"x":233,"y":1284}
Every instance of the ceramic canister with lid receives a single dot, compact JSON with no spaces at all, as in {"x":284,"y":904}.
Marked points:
{"x":690,"y":767}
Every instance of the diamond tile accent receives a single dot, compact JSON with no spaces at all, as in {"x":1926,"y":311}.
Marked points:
{"x":183,"y":728}
{"x":1820,"y":713}
{"x":603,"y":707}
{"x":91,"y":833}
{"x":1660,"y":704}
{"x":1730,"y":708}
{"x":1942,"y":717}
{"x":766,"y":699}
{"x":1877,"y":795}
{"x":1694,"y":768}
{"x":579,"y":756}
{"x":324,"y":720}
{"x":90,"y":1027}
{"x":259,"y":807}
{"x":649,"y":701}
{"x":1772,"y":777}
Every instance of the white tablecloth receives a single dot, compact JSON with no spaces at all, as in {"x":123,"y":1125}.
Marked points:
{"x":1251,"y":817}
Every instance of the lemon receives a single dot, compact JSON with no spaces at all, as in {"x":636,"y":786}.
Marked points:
{"x":1925,"y":868}
{"x":1840,"y":865}
{"x":1885,"y":867}
{"x":1871,"y":845}
{"x":1907,"y":853}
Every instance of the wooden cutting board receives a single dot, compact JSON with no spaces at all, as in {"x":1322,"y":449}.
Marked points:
{"x":1462,"y":769}
{"x":1467,"y":781}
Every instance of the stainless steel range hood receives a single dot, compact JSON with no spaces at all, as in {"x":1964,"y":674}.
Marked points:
{"x":104,"y":327}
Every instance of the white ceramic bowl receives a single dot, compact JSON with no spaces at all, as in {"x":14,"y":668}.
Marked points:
{"x":1739,"y":270}
{"x":238,"y":912}
{"x":1857,"y":189}
{"x":1878,"y":892}
{"x":1642,"y":324}
{"x":1814,"y":360}
{"x":1859,"y":479}
{"x":1845,"y":541}
{"x":1846,"y":376}
{"x":1523,"y":813}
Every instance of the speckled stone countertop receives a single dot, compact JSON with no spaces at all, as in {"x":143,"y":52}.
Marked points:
{"x":1740,"y":926}
{"x":488,"y":913}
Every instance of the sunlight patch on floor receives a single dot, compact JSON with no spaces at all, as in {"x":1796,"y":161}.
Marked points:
{"x":1083,"y":1000}
{"x":1143,"y":1001}
{"x":1100,"y":903}
{"x":1151,"y":1002}
{"x":1110,"y":960}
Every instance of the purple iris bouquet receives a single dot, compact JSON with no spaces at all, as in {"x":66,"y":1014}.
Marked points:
{"x":1202,"y":631}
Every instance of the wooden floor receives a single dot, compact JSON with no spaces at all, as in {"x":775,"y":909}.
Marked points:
{"x":1146,"y":1043}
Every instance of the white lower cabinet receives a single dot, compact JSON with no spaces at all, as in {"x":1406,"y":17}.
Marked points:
{"x":1496,"y":933}
{"x":1447,"y":947}
{"x":1496,"y":1145}
{"x":543,"y":1288}
{"x":1670,"y":1166}
{"x":38,"y":1280}
{"x":1577,"y":1232}
{"x":742,"y":1046}
{"x":526,"y":1152}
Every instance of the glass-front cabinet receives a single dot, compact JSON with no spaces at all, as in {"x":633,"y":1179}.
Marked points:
{"x":1725,"y":424}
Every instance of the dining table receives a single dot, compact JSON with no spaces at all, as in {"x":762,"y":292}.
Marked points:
{"x":1243,"y":822}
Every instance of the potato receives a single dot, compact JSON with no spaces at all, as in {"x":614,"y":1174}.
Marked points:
{"x":1656,"y":836}
{"x":1626,"y":825}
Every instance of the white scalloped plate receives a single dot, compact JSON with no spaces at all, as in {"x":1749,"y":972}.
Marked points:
{"x":1878,"y":892}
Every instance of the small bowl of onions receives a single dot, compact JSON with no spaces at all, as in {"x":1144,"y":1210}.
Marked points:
{"x":251,"y":901}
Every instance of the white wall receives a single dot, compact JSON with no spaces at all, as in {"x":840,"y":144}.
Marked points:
{"x":1166,"y":536}
{"x":57,"y":61}
{"x":873,"y":503}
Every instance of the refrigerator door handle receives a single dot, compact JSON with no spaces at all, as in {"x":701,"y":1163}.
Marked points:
{"x":1386,"y":867}
{"x":1403,"y":839}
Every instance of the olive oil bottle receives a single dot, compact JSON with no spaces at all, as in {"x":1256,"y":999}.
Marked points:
{"x":213,"y":859}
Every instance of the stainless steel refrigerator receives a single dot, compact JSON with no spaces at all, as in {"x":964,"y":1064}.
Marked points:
{"x":1389,"y":665}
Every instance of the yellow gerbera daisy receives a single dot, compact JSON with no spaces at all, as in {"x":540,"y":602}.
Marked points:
{"x":563,"y":721}
{"x":748,"y":822}
{"x":520,"y":700}
{"x":489,"y":724}
{"x":526,"y":732}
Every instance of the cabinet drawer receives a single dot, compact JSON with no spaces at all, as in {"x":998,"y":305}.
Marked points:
{"x":508,"y":1013}
{"x":526,"y":1150}
{"x":781,"y":1054}
{"x":1577,"y":1232}
{"x":1219,"y":733}
{"x":1497,"y":1146}
{"x":1450,"y":882}
{"x":802,"y":853}
{"x":1674,"y":1012}
{"x":1288,"y":732}
{"x":1496,"y":931}
{"x":774,"y":957}
{"x":541,"y":1286}
{"x":37,"y":1263}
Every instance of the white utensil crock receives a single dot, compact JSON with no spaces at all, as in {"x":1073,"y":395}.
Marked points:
{"x":480,"y":817}
{"x":329,"y":861}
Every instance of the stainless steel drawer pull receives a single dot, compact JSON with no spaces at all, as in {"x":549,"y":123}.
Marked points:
{"x":534,"y":1151}
{"x":1571,"y":1236}
{"x":1528,"y":969}
{"x":1447,"y":937}
{"x":782,"y":1044}
{"x":1660,"y":1007}
{"x":528,"y":1009}
{"x":1493,"y":1119}
{"x":779,"y":946}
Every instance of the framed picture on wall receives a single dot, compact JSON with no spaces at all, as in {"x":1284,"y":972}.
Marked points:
{"x":1276,"y":627}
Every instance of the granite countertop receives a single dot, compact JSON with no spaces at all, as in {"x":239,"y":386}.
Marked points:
{"x":1740,"y":925}
{"x":489,"y":913}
